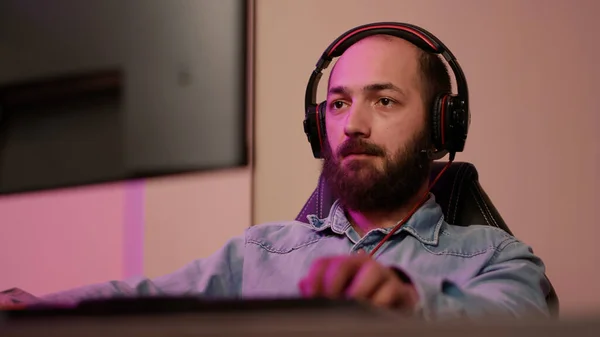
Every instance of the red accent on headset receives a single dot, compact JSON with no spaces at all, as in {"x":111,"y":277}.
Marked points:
{"x":424,"y":198}
{"x":318,"y":111}
{"x":443,"y":117}
{"x":410,"y":30}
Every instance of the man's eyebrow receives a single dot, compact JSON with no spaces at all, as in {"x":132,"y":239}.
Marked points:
{"x":340,"y":90}
{"x":375,"y":87}
{"x":381,"y":87}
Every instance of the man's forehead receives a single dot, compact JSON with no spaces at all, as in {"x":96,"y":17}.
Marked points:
{"x":376,"y":60}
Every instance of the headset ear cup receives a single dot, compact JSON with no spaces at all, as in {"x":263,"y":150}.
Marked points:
{"x":437,"y":122}
{"x":311,"y":126}
{"x":322,"y":126}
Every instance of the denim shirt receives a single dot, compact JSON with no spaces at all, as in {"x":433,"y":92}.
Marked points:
{"x":457,"y":271}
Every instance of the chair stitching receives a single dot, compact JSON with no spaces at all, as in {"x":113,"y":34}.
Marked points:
{"x":452,"y":191}
{"x":486,"y":206}
{"x":479,"y":205}
{"x":304,"y":209}
{"x":320,"y":200}
{"x":458,"y":198}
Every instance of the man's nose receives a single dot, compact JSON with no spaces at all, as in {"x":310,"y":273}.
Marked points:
{"x":358,"y":122}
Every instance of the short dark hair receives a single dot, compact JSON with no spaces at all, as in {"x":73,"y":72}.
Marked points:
{"x":435,"y":78}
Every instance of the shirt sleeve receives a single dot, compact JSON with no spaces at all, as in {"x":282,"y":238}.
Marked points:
{"x":512,"y":283}
{"x":219,"y":275}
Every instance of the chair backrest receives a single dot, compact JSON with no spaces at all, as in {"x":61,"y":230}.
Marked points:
{"x":459,"y":194}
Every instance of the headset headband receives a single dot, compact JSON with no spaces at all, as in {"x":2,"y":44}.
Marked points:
{"x":416,"y":35}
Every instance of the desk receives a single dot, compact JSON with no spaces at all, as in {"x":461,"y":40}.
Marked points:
{"x":345,"y":320}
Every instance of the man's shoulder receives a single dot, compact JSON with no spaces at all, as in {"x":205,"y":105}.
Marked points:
{"x":483,"y":237}
{"x":282,"y":236}
{"x":494,"y":244}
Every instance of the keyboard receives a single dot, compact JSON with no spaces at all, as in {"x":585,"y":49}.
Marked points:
{"x":181,"y":305}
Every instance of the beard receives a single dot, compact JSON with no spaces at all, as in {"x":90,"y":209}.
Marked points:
{"x":362,"y":186}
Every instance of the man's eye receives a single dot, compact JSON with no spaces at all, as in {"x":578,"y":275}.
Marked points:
{"x":386,"y":101}
{"x":337,"y":104}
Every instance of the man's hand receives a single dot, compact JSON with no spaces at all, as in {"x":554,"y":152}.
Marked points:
{"x":15,"y":298}
{"x":361,"y":278}
{"x":5,"y":300}
{"x":7,"y":303}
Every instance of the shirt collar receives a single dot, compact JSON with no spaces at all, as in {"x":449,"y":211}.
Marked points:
{"x":424,"y":225}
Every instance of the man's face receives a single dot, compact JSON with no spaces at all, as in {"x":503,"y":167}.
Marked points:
{"x":376,"y":126}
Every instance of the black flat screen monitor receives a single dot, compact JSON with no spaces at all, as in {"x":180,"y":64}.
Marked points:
{"x":101,"y":91}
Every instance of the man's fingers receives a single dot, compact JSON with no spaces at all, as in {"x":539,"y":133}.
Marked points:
{"x":339,"y":275}
{"x":358,"y":277}
{"x":312,"y":284}
{"x":366,"y":281}
{"x":387,"y":295}
{"x":331,"y":276}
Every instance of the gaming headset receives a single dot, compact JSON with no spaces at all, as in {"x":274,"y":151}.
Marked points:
{"x":450,"y":115}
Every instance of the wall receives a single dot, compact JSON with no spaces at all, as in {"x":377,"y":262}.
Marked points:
{"x":191,"y":216}
{"x":58,"y":240}
{"x":531,"y":71}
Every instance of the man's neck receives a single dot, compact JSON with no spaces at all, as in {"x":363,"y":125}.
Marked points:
{"x":363,"y":222}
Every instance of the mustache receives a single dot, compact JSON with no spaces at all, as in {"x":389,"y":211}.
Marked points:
{"x":359,"y":146}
